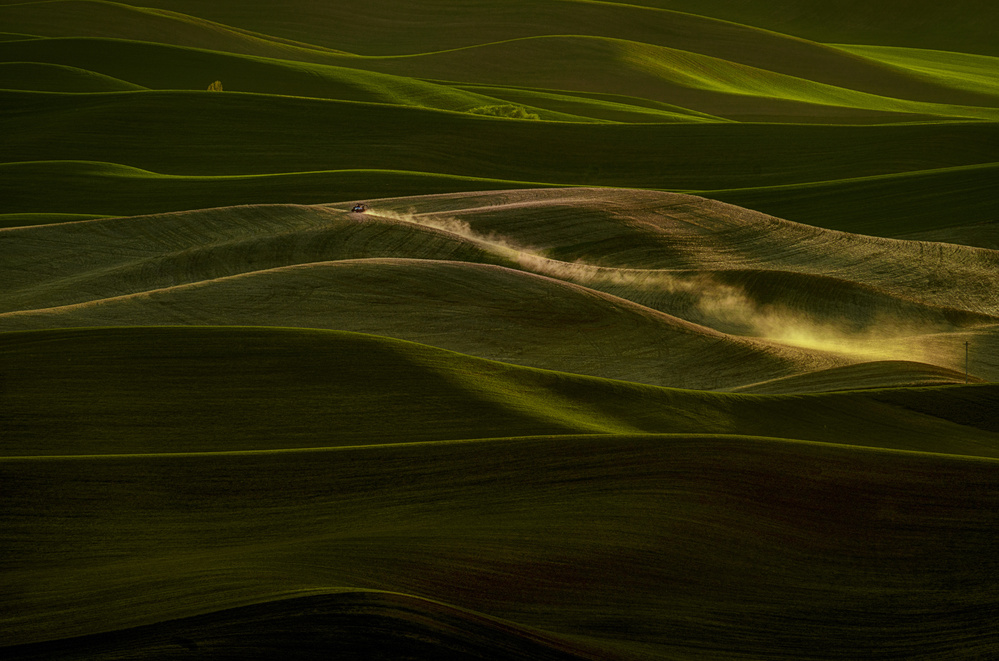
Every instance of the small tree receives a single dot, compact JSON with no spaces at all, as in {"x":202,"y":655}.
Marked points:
{"x":509,"y":110}
{"x":216,"y":86}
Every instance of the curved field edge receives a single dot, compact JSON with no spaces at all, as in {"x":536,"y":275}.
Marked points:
{"x":110,"y":189}
{"x":899,"y":396}
{"x":388,"y":271}
{"x":572,"y":63}
{"x":58,"y":78}
{"x":884,"y":205}
{"x":926,"y":25}
{"x":347,"y":621}
{"x":839,"y":531}
{"x":507,"y":315}
{"x":30,"y":219}
{"x":184,"y":69}
{"x":961,"y":70}
{"x":881,"y":205}
{"x":94,"y":391}
{"x":741,"y":45}
{"x":247,"y":136}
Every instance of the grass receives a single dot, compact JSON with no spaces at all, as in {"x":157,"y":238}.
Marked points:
{"x":630,"y":65}
{"x":185,"y":69}
{"x":29,"y":219}
{"x":958,"y":70}
{"x":882,"y":205}
{"x":923,"y":24}
{"x":94,"y":391}
{"x":58,"y":78}
{"x":564,"y":545}
{"x":579,"y":280}
{"x":240,"y":421}
{"x":109,"y":189}
{"x":346,"y":622}
{"x":247,"y":137}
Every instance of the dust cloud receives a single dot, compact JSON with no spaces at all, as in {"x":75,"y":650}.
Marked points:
{"x":492,"y":241}
{"x":717,"y":303}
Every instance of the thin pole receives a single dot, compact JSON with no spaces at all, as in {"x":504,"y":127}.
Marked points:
{"x":965,"y":362}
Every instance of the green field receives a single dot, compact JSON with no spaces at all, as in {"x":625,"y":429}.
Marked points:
{"x":670,"y":330}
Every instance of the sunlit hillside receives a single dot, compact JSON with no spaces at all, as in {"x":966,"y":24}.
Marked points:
{"x":359,"y":100}
{"x":520,"y":329}
{"x":657,"y":288}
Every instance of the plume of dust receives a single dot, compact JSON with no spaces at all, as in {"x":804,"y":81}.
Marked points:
{"x":730,"y":306}
{"x":492,"y":241}
{"x":718,"y":302}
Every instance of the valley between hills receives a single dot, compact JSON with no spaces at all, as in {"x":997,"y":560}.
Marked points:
{"x":668,"y":330}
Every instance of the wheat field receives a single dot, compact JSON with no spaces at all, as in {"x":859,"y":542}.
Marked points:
{"x":668,"y":330}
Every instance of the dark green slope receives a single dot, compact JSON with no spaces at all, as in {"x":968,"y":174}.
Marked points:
{"x":881,"y":205}
{"x":114,"y":190}
{"x":887,"y":205}
{"x":260,"y":492}
{"x":202,"y":133}
{"x":641,"y":545}
{"x":199,"y":389}
{"x":355,"y":624}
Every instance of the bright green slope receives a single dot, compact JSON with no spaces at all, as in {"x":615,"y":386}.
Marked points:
{"x":155,"y":66}
{"x":587,"y":64}
{"x":603,"y":44}
{"x":962,"y":25}
{"x":957,"y":70}
{"x":652,"y":70}
{"x":58,"y":78}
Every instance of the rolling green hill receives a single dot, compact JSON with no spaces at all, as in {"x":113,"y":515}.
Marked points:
{"x":916,"y":23}
{"x":58,"y":78}
{"x":557,"y":533}
{"x":651,"y":287}
{"x":670,"y":329}
{"x":211,"y":134}
{"x":93,"y":392}
{"x":624,"y":64}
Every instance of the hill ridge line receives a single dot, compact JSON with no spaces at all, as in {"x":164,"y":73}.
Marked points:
{"x":578,"y":436}
{"x":678,"y":321}
{"x":567,"y":647}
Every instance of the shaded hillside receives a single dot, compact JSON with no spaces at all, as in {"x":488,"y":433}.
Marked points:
{"x":351,"y":623}
{"x":572,"y":539}
{"x":667,"y":330}
{"x":94,"y":391}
